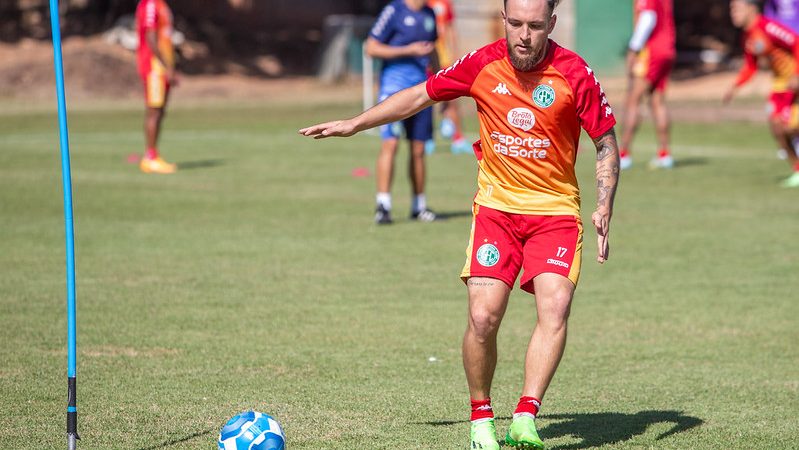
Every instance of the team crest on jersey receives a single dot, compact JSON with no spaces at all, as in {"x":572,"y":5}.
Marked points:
{"x":521,"y":118}
{"x":409,"y":21}
{"x":488,"y":255}
{"x":544,"y":96}
{"x":429,"y":24}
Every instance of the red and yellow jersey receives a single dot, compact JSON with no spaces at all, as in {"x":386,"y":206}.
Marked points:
{"x":444,"y":20}
{"x":530,"y":125}
{"x":154,"y":15}
{"x":776,"y":46}
{"x":662,"y":41}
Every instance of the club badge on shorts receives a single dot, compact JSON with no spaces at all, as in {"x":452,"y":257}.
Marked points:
{"x":488,"y":255}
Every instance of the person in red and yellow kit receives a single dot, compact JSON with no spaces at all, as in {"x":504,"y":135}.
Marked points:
{"x":533,"y":98}
{"x":157,"y":70}
{"x":778,"y":47}
{"x":447,"y":48}
{"x":650,"y":58}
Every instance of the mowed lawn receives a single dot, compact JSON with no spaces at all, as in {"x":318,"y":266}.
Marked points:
{"x":255,"y":279}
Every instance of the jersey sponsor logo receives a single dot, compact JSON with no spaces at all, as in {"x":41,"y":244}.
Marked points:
{"x":501,"y":89}
{"x":518,"y":147}
{"x":488,"y":255}
{"x":409,"y":21}
{"x":544,"y":96}
{"x":521,"y":118}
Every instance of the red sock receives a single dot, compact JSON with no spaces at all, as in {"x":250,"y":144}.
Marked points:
{"x":457,"y":136}
{"x":481,"y":409}
{"x":796,"y":167}
{"x":664,"y":152}
{"x":151,"y":153}
{"x":528,"y":405}
{"x":624,"y":153}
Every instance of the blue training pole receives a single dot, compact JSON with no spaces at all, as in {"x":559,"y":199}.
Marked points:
{"x":66,"y":176}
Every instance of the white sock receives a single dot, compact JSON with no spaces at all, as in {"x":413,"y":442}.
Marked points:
{"x":384,"y":198}
{"x":419,"y":203}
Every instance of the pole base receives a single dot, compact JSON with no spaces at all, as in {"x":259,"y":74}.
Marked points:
{"x":72,"y":441}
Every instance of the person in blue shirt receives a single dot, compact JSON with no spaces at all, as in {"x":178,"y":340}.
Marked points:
{"x":404,"y":38}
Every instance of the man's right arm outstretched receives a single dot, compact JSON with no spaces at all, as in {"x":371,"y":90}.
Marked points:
{"x":403,"y":104}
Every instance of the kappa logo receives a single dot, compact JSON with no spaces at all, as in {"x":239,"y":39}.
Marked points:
{"x":521,"y":118}
{"x":501,"y":89}
{"x":488,"y":255}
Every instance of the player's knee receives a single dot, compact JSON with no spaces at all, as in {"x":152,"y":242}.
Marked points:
{"x":483,"y":323}
{"x":555,"y":308}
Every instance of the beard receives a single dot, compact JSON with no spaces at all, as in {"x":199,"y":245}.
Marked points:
{"x":524,"y":63}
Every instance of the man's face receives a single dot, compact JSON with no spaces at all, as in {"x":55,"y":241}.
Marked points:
{"x":741,"y":12}
{"x":528,"y":24}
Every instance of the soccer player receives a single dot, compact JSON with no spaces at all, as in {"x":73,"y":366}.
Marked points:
{"x":404,"y":38}
{"x":157,"y":70}
{"x":533,"y":98}
{"x":447,"y":45}
{"x":778,"y":47}
{"x":650,"y":58}
{"x":785,"y":12}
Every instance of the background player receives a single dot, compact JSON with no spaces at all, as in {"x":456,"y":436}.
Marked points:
{"x":156,"y":58}
{"x":447,"y":47}
{"x":403,"y":37}
{"x":526,"y":211}
{"x":778,"y":47}
{"x":785,"y":12}
{"x":650,"y":58}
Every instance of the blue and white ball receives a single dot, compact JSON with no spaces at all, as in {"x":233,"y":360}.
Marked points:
{"x":251,"y":430}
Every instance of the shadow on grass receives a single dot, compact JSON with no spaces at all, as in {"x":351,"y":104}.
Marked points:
{"x":201,"y":164}
{"x":446,"y":215}
{"x":598,"y":429}
{"x":178,"y":441}
{"x":690,"y":161}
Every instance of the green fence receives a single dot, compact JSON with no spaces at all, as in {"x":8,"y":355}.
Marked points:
{"x":603,"y":29}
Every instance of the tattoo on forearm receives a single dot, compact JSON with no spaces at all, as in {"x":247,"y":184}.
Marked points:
{"x":607,"y":169}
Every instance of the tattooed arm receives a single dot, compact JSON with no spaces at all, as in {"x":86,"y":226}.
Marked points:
{"x":607,"y":178}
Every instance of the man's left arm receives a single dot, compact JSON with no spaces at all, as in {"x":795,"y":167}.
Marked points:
{"x":607,"y":179}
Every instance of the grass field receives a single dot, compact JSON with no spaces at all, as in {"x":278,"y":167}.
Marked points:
{"x":254,"y":278}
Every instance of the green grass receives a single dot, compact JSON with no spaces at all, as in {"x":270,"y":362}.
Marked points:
{"x":254,"y":278}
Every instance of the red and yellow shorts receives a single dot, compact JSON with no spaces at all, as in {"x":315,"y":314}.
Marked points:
{"x":503,"y":243}
{"x":782,"y":107}
{"x":156,"y":88}
{"x":655,"y":69}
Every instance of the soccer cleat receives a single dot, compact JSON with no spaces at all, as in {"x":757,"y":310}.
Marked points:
{"x":661,"y":162}
{"x":447,"y":128}
{"x":156,"y":165}
{"x":522,"y":434}
{"x":484,"y":435}
{"x":382,"y":216}
{"x":425,"y":215}
{"x":625,"y":162}
{"x":792,"y":181}
{"x":429,"y":147}
{"x":460,"y":146}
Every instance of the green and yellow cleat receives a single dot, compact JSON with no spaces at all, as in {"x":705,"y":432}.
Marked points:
{"x":523,"y":435}
{"x":484,"y":435}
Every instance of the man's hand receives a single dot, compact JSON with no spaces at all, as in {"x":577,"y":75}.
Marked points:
{"x":793,"y":83}
{"x":420,"y":48}
{"x":601,"y":220}
{"x":632,"y":57}
{"x":337,"y":128}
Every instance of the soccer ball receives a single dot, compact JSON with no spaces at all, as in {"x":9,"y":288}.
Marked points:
{"x":251,"y":430}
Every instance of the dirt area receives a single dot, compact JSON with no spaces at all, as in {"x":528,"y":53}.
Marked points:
{"x":97,"y":71}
